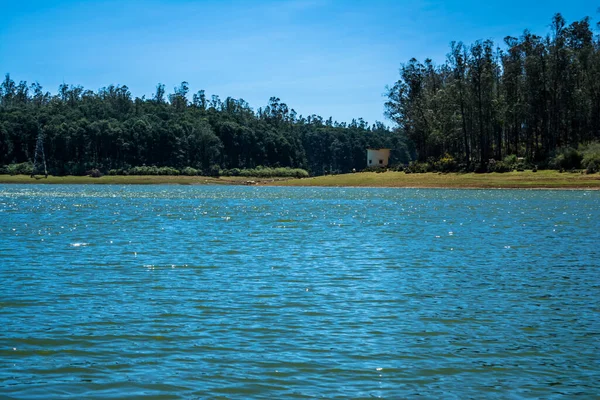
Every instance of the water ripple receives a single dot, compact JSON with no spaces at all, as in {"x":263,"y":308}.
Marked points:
{"x":251,"y":292}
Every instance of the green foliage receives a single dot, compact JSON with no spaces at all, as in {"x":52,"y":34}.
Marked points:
{"x":232,"y":172}
{"x":447,"y":163}
{"x":510,"y":160}
{"x":143,"y":170}
{"x":189,"y":171}
{"x":94,"y":173}
{"x":590,"y":154}
{"x":113,"y":132}
{"x":214,"y":170}
{"x":25,"y":168}
{"x":566,"y":158}
{"x":532,"y":98}
{"x":499,"y":166}
{"x":416,"y":167}
{"x":152,"y":170}
{"x":591,"y":168}
{"x":373,"y":169}
{"x":266,"y":172}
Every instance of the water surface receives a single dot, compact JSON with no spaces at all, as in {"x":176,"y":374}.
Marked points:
{"x":246,"y":292}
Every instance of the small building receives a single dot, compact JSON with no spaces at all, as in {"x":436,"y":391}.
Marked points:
{"x":378,"y":157}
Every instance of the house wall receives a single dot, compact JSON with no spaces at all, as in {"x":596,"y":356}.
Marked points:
{"x":374,"y":156}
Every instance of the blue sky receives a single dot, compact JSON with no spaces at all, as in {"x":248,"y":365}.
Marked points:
{"x":325,"y":57}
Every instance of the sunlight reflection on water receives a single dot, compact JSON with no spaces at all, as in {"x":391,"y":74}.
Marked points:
{"x":122,"y":291}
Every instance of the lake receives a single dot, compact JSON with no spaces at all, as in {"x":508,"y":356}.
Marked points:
{"x":258,"y":292}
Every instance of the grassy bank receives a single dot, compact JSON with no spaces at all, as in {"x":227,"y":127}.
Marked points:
{"x":523,"y":180}
{"x":134,"y":180}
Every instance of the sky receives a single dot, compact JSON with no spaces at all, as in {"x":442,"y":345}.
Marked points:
{"x":325,"y":57}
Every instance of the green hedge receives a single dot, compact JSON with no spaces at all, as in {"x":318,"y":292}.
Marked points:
{"x":25,"y":168}
{"x":266,"y":172}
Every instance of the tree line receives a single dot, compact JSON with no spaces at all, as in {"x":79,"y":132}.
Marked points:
{"x":535,"y":98}
{"x":109,"y":129}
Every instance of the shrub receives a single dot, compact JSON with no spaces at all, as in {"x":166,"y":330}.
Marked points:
{"x":510,"y":160}
{"x":521,"y":166}
{"x":513,"y":162}
{"x":498,"y":166}
{"x":591,"y":168}
{"x":590,"y":153}
{"x":168,"y":171}
{"x":566,"y":158}
{"x":372,"y":169}
{"x":446,"y":164}
{"x":419,"y":167}
{"x":25,"y":168}
{"x":143,"y":170}
{"x":465,"y":168}
{"x":480,"y":168}
{"x":94,"y":173}
{"x":267,"y":172}
{"x":214,"y":170}
{"x":231,"y":172}
{"x":189,"y":171}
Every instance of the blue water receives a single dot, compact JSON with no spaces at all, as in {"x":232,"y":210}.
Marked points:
{"x":255,"y":292}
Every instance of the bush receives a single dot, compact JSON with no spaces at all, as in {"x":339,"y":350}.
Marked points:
{"x":480,"y":168}
{"x":591,"y":168}
{"x":231,"y":172}
{"x":214,"y":170}
{"x":168,"y":171}
{"x":267,"y":172}
{"x":25,"y":168}
{"x":373,"y":169}
{"x":466,"y":168}
{"x":419,"y":167}
{"x":566,"y":158}
{"x":143,"y":170}
{"x":94,"y":173}
{"x":446,"y":164}
{"x":511,"y":160}
{"x":189,"y":171}
{"x":498,"y":166}
{"x":590,"y":154}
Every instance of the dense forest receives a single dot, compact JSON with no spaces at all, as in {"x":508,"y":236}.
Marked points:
{"x":535,"y":101}
{"x":538,"y":98}
{"x":110,"y":130}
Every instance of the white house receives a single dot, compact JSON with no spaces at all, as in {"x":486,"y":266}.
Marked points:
{"x":378,"y":157}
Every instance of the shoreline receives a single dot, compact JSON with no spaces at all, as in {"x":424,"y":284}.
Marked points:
{"x":447,"y":187}
{"x":549,"y":180}
{"x":542,"y":180}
